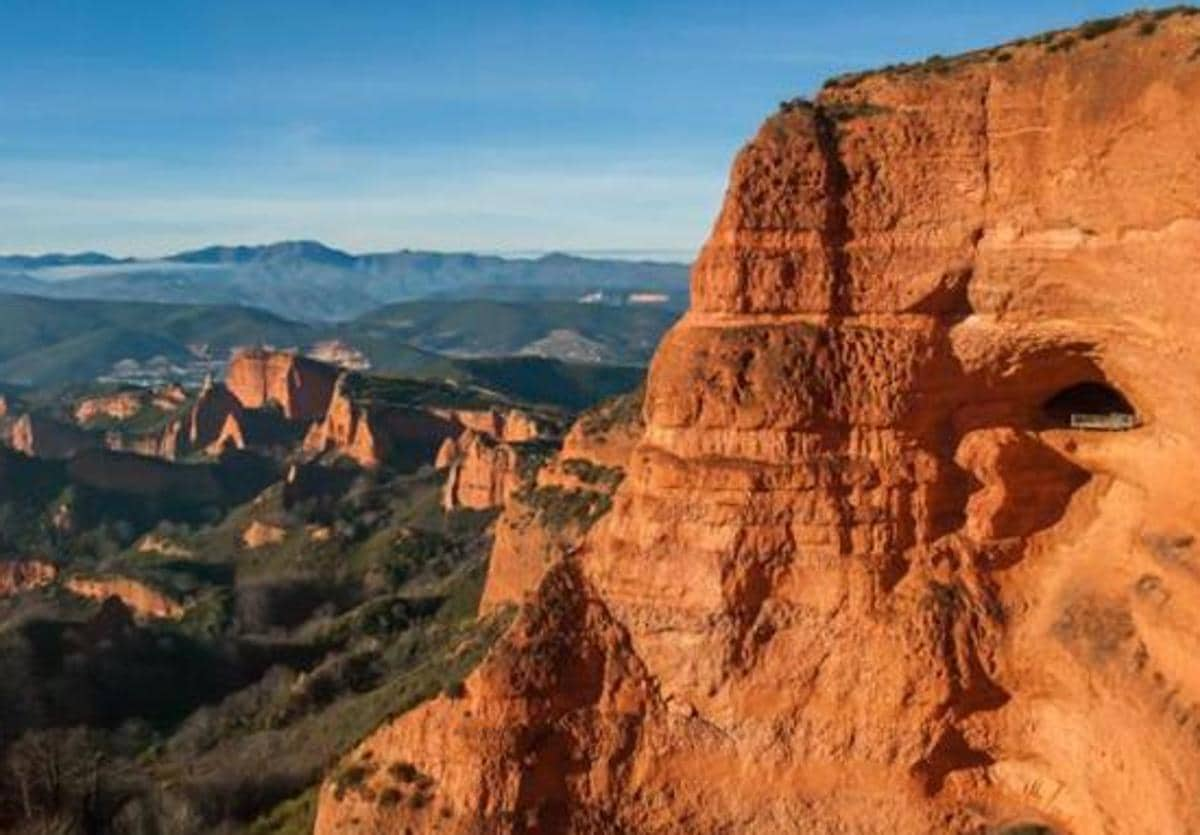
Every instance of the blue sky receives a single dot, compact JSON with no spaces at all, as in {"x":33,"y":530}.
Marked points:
{"x":151,"y":126}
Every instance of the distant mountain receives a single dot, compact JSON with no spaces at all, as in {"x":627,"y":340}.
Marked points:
{"x":312,"y":251}
{"x":36,"y":262}
{"x":45,"y":341}
{"x":564,"y":330}
{"x":48,"y":342}
{"x":308,"y":281}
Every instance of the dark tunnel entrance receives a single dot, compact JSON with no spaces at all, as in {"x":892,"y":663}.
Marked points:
{"x":1090,"y":405}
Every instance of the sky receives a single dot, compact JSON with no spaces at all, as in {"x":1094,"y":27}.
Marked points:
{"x":147,"y":127}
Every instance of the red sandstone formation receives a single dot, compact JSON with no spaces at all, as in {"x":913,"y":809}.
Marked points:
{"x":858,"y":579}
{"x":483,"y":473}
{"x":346,"y":430}
{"x":119,"y":406}
{"x":209,"y":414}
{"x":42,"y":437}
{"x":261,"y":534}
{"x":512,"y":425}
{"x":144,"y":601}
{"x":541,"y":526}
{"x":300,"y":386}
{"x":376,"y":433}
{"x":17,"y":576}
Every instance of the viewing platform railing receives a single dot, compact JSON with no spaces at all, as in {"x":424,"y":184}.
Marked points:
{"x":1112,"y":422}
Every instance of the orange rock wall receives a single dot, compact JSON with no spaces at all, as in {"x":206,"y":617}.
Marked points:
{"x":854,"y":581}
{"x":302,"y":387}
{"x":373,"y":435}
{"x":120,"y":406}
{"x":482,"y":474}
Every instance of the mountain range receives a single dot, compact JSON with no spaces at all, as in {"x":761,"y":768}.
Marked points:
{"x":47,"y":342}
{"x":308,"y":281}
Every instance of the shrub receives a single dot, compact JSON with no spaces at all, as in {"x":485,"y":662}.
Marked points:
{"x":845,"y":111}
{"x":403,"y":772}
{"x":591,"y":473}
{"x":1102,"y":26}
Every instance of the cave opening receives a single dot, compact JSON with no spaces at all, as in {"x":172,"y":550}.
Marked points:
{"x":1090,"y":405}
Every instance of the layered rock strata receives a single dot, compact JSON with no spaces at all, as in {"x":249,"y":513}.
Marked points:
{"x":858,"y":579}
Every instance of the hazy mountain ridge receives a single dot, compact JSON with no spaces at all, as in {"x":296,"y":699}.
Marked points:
{"x":308,"y":281}
{"x":51,"y":341}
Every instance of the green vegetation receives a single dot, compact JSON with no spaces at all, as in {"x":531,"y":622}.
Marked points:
{"x":591,"y":473}
{"x":607,"y":333}
{"x":1062,"y":40}
{"x":303,"y":646}
{"x":557,"y":507}
{"x":623,"y":410}
{"x":1093,"y":29}
{"x":569,"y":386}
{"x":46,"y":341}
{"x":848,"y":111}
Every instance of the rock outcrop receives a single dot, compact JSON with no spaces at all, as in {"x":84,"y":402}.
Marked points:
{"x":17,"y":576}
{"x":299,"y":385}
{"x":120,"y":405}
{"x":260,"y":534}
{"x":142,"y":600}
{"x":858,"y":579}
{"x":262,"y":429}
{"x":482,"y":472}
{"x":209,"y":415}
{"x":546,"y":521}
{"x":375,"y":433}
{"x":512,"y":425}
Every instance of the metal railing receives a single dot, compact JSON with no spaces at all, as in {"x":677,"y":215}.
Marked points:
{"x":1111,"y":422}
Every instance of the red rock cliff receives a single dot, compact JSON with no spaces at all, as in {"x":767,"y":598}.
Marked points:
{"x":859,"y":579}
{"x":374,"y":433}
{"x":300,"y":386}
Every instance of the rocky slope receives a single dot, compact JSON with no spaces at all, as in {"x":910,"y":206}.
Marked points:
{"x":858,"y":579}
{"x":142,"y":600}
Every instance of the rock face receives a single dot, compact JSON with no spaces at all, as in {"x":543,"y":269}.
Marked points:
{"x":142,"y":600}
{"x":300,"y":386}
{"x":209,"y":414}
{"x":858,"y":579}
{"x":17,"y":576}
{"x":512,"y":425}
{"x":483,"y":473}
{"x":372,"y":434}
{"x":260,"y":534}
